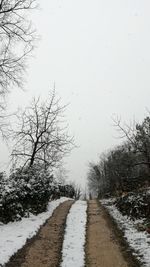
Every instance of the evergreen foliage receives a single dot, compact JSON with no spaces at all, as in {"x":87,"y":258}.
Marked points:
{"x":28,"y":191}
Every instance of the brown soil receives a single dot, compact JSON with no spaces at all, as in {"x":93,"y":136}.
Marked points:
{"x":128,"y":252}
{"x":44,"y":250}
{"x":102,"y":249}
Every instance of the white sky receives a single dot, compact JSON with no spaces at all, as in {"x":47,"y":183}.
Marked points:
{"x":97,"y":52}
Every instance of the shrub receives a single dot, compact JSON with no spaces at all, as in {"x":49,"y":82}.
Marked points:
{"x":135,"y":205}
{"x":24,"y":192}
{"x":28,"y":191}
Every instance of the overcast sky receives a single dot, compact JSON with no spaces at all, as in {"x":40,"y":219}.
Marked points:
{"x":98,"y":54}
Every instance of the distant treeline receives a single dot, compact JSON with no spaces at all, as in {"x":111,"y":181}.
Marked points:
{"x":126,"y":167}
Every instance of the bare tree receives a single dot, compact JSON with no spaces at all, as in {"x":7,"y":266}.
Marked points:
{"x":16,"y":41}
{"x":41,"y":136}
{"x":94,"y":179}
{"x":138,"y":136}
{"x":61,"y":175}
{"x":77,"y":192}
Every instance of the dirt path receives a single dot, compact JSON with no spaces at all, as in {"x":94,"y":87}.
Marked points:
{"x":44,"y":250}
{"x":102,"y":249}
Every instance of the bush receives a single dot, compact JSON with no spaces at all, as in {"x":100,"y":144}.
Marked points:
{"x":28,"y":191}
{"x":24,"y":192}
{"x":135,"y":205}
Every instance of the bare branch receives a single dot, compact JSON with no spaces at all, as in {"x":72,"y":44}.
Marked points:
{"x":40,"y":134}
{"x":16,"y":34}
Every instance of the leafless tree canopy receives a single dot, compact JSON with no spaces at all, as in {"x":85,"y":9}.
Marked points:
{"x":138,"y":136}
{"x":94,"y":178}
{"x":16,"y":41}
{"x":41,"y":136}
{"x":125,"y":167}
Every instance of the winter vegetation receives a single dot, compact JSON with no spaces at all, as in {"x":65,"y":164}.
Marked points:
{"x":38,"y":133}
{"x":41,"y":140}
{"x":126,"y":167}
{"x":121,"y":179}
{"x":41,"y":134}
{"x":16,"y":34}
{"x":29,"y":191}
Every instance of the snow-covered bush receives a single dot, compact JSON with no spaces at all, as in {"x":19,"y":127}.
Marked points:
{"x":10,"y":206}
{"x":34,"y":188}
{"x":58,"y":190}
{"x":25,"y":191}
{"x":135,"y":204}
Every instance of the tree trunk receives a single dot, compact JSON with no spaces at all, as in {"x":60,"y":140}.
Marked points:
{"x":33,"y":154}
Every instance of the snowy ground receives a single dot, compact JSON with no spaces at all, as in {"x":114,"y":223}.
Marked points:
{"x":14,"y":235}
{"x":74,"y":239}
{"x":139,"y":241}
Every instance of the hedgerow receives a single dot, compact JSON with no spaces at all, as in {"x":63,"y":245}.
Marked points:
{"x":28,"y":191}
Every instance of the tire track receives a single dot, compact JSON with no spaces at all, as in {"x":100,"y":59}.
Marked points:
{"x":44,"y":250}
{"x":102,"y":249}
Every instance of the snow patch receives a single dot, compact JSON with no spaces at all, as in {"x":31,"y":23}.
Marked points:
{"x":73,"y":254}
{"x":14,"y":235}
{"x":138,"y":241}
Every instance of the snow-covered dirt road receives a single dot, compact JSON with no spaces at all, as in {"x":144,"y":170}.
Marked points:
{"x":139,"y":241}
{"x":13,"y":236}
{"x":77,"y":234}
{"x":44,"y":249}
{"x":73,"y":252}
{"x":102,"y":249}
